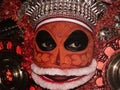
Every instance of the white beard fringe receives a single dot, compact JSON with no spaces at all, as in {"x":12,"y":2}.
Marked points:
{"x":63,"y":86}
{"x":87,"y":71}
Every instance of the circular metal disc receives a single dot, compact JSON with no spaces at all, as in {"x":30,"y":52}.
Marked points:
{"x":12,"y":77}
{"x":113,"y":73}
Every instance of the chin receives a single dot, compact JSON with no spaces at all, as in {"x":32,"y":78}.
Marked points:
{"x":62,"y":79}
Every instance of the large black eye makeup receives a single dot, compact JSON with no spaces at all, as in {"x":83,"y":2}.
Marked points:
{"x":45,"y":41}
{"x":77,"y":41}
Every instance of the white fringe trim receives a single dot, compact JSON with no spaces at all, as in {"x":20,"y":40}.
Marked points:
{"x":63,"y":86}
{"x":65,"y":72}
{"x":87,"y":71}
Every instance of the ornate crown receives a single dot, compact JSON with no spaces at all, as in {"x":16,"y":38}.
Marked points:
{"x":86,"y":11}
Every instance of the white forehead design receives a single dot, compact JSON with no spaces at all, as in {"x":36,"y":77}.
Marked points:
{"x":63,"y":19}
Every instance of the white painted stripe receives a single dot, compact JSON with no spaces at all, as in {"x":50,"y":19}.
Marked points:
{"x":63,"y":19}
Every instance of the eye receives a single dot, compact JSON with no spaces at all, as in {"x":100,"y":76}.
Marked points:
{"x":44,"y":41}
{"x":75,"y":44}
{"x":77,"y":41}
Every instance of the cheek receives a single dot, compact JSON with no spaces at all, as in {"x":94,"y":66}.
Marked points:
{"x":82,"y":58}
{"x":89,"y":53}
{"x":44,"y":59}
{"x":78,"y":60}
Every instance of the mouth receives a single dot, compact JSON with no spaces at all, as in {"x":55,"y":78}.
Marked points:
{"x":60,"y":79}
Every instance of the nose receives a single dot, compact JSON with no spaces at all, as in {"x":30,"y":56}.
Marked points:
{"x":58,"y":59}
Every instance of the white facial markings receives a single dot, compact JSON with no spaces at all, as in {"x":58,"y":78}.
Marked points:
{"x":86,"y":72}
{"x":65,"y":72}
{"x":61,"y":86}
{"x":63,"y":19}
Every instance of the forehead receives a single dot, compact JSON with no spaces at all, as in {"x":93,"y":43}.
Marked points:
{"x":61,"y":27}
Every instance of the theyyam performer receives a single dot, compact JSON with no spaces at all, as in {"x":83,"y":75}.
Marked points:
{"x":61,"y":43}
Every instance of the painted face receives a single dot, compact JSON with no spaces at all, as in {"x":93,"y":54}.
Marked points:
{"x":63,"y":56}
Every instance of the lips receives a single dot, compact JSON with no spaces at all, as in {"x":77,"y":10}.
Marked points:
{"x":60,"y":79}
